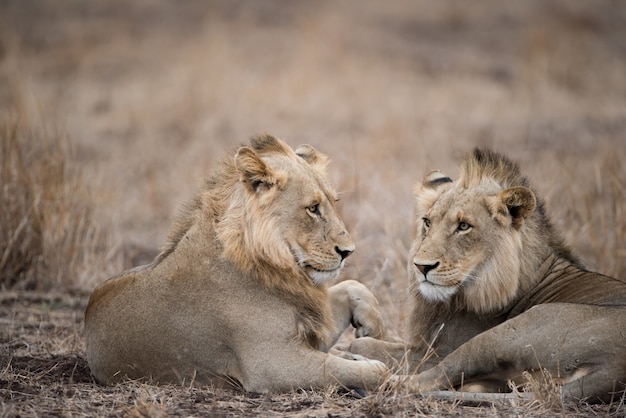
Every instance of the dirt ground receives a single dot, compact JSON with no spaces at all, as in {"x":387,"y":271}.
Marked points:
{"x":151,"y":94}
{"x":43,"y":373}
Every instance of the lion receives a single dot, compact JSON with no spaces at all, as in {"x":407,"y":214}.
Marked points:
{"x":238,"y":296}
{"x":497,"y":295}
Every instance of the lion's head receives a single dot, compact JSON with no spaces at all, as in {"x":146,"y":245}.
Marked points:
{"x":471,"y":232}
{"x":287,"y":211}
{"x":273,"y":213}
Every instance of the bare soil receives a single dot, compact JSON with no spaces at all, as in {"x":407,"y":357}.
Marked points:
{"x":43,"y":372}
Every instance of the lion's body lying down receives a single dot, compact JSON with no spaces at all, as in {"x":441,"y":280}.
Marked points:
{"x":496,"y":293}
{"x":238,"y":296}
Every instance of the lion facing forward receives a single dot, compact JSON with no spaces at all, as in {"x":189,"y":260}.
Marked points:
{"x":496,"y":293}
{"x":238,"y":296}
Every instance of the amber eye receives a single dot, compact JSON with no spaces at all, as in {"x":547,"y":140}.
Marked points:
{"x":426,"y":222}
{"x":314,"y":209}
{"x":464,"y":226}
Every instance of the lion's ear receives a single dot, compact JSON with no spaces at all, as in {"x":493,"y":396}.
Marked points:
{"x":513,"y":205}
{"x":434,"y":179}
{"x":254,"y":173}
{"x":432,"y":185}
{"x":429,"y":189}
{"x":312,"y":156}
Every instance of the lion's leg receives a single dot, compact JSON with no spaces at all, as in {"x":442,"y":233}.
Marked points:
{"x":574,"y":343}
{"x":396,"y":355}
{"x":352,"y":303}
{"x":291,"y":367}
{"x":364,"y":374}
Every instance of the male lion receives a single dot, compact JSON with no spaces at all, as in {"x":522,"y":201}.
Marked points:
{"x":238,"y":295}
{"x":496,"y":293}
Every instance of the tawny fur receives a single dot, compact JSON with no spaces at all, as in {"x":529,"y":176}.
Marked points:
{"x":238,"y":294}
{"x":502,"y":293}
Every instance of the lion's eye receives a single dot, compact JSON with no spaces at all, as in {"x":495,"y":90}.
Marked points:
{"x":314,"y":209}
{"x":426,"y":222}
{"x":464,"y":226}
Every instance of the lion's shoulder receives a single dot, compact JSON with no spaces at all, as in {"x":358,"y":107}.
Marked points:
{"x":568,"y":283}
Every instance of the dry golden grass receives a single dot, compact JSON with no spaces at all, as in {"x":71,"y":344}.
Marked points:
{"x":112,"y":112}
{"x":48,"y":234}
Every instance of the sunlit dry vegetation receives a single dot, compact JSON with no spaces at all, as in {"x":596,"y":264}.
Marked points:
{"x":111,"y":113}
{"x":50,"y":239}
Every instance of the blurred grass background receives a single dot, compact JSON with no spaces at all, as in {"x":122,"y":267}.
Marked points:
{"x":111,"y":112}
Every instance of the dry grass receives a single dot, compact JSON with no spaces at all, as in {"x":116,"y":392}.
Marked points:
{"x":112,"y":112}
{"x":48,"y":234}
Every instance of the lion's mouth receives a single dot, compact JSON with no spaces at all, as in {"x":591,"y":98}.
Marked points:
{"x":316,"y":274}
{"x":431,"y":283}
{"x":319,"y":276}
{"x":323,"y":271}
{"x":435,"y":289}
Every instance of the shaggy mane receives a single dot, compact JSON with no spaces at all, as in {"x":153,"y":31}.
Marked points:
{"x":479,"y":166}
{"x":215,"y":190}
{"x":224,"y":207}
{"x":485,"y":164}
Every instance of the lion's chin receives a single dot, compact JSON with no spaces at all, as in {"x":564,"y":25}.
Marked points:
{"x":436,"y":293}
{"x":319,"y":277}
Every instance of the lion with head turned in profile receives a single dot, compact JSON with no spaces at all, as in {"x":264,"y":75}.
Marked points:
{"x":497,"y":295}
{"x":238,"y":296}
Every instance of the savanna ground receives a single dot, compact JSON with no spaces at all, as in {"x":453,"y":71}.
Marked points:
{"x":111,"y":112}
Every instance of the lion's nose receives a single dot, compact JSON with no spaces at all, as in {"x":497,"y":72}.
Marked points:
{"x":425,"y":268}
{"x":344,"y":252}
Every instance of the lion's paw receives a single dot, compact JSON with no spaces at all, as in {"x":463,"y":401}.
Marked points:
{"x":366,"y":317}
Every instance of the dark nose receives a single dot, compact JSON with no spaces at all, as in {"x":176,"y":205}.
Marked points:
{"x":425,"y":268}
{"x":343,"y":253}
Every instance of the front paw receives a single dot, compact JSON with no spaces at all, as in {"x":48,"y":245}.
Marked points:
{"x":366,"y":317}
{"x":371,"y":327}
{"x":361,"y":346}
